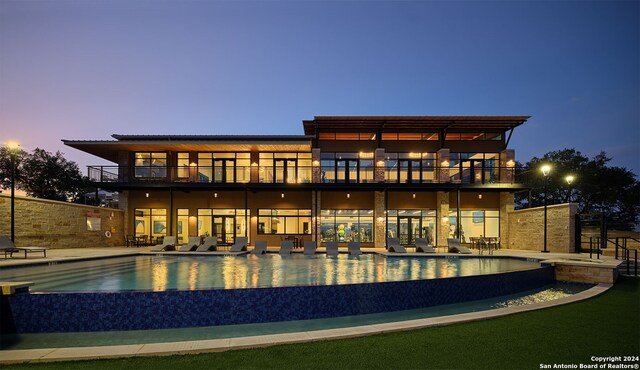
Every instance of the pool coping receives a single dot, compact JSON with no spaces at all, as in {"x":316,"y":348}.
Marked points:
{"x":219,"y":345}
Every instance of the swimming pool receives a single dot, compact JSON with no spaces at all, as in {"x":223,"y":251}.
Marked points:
{"x":171,"y":272}
{"x":163,"y":291}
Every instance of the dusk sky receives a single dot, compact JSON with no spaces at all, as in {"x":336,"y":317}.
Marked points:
{"x":89,"y":69}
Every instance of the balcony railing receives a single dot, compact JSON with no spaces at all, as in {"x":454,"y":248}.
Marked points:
{"x":300,"y":175}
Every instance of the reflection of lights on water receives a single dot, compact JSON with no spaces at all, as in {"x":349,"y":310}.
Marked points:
{"x":159,"y":273}
{"x":193,"y":275}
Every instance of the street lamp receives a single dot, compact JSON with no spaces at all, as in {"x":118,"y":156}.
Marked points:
{"x":569,"y":179}
{"x":546,"y":169}
{"x":13,"y":149}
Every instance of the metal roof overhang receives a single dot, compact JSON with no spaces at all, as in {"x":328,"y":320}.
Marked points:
{"x":109,"y":149}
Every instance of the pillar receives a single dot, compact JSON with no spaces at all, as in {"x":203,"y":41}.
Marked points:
{"x":442,"y":214}
{"x":378,"y":175}
{"x":380,"y":233}
{"x":316,"y":172}
{"x":443,"y":166}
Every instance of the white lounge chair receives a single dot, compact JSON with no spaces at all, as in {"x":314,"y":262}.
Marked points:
{"x":455,"y":247}
{"x":354,"y":248}
{"x":260,"y":247}
{"x":194,"y":243}
{"x":7,"y":246}
{"x":240,"y":245}
{"x":332,"y":248}
{"x":310,"y":247}
{"x":168,"y":244}
{"x":210,"y":244}
{"x":286,"y":246}
{"x":422,"y":246}
{"x":393,"y":245}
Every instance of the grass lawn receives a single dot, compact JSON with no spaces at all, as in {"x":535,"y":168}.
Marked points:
{"x":606,"y":325}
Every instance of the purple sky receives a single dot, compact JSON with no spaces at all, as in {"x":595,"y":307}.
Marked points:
{"x":87,"y":69}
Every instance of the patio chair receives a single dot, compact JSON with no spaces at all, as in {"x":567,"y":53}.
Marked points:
{"x":192,"y":244}
{"x":240,"y":245}
{"x":286,"y":246}
{"x":7,"y":246}
{"x":354,"y":248}
{"x":260,"y":247}
{"x":455,"y":247}
{"x":332,"y":248}
{"x":393,"y":245}
{"x":210,"y":243}
{"x":310,"y":247}
{"x":168,"y":244}
{"x":422,"y":246}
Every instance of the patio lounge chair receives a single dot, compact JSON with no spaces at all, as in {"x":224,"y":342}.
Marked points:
{"x":210,"y":243}
{"x":332,"y":248}
{"x":455,"y":247}
{"x":168,"y":244}
{"x":393,"y":245}
{"x":286,"y":246}
{"x":354,"y":248}
{"x":422,"y":246}
{"x":260,"y":247}
{"x":7,"y":246}
{"x":240,"y":244}
{"x":194,"y":243}
{"x":310,"y":247}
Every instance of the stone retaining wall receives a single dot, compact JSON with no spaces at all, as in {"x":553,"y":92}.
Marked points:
{"x":526,"y":227}
{"x":53,"y":224}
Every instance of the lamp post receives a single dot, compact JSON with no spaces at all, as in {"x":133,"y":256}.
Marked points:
{"x":546,"y":169}
{"x":569,"y":179}
{"x":13,"y":148}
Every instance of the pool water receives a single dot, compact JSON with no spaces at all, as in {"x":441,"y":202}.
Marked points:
{"x":83,"y":339}
{"x":170,"y":272}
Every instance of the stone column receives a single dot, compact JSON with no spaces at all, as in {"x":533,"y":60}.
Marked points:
{"x":378,"y":175}
{"x":507,"y":166}
{"x":506,"y":207}
{"x":254,"y":174}
{"x":379,"y":216}
{"x":442,"y":215}
{"x":316,"y":172}
{"x":442,"y":163}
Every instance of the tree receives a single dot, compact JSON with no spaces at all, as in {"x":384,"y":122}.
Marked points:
{"x":598,"y":187}
{"x":43,"y":175}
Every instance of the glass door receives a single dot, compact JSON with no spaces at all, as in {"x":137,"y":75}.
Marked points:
{"x":408,"y":230}
{"x":224,"y":229}
{"x":224,"y":170}
{"x":286,"y":171}
{"x":471,"y":170}
{"x":409,"y":171}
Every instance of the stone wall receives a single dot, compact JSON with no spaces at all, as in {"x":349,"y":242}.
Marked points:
{"x":53,"y":224}
{"x":526,"y":228}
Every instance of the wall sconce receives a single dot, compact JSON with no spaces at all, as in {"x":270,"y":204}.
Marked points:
{"x":348,"y":195}
{"x":215,"y":195}
{"x":480,"y":196}
{"x":510,"y":163}
{"x":282,"y":195}
{"x":414,"y":195}
{"x":146,"y":195}
{"x":254,"y":164}
{"x":445,"y":163}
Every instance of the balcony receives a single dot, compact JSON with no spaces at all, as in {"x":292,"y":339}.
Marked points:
{"x":301,"y":175}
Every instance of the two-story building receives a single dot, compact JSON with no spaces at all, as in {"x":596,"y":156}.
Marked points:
{"x":346,"y":179}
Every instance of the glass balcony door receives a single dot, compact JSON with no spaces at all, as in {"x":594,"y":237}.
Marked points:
{"x":408,"y":230}
{"x":224,"y":229}
{"x":347,"y":171}
{"x":224,"y":170}
{"x":471,"y":170}
{"x":409,"y":171}
{"x":286,"y":171}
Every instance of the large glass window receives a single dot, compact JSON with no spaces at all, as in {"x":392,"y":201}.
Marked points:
{"x":346,"y":167}
{"x":150,"y":222}
{"x":345,"y":225}
{"x":284,"y":221}
{"x":291,"y":168}
{"x":183,"y":165}
{"x":410,"y":167}
{"x":465,"y":136}
{"x":183,"y":225}
{"x":474,"y":223}
{"x":347,"y":136}
{"x":470,"y":168}
{"x":410,"y":224}
{"x":224,"y":167}
{"x":414,"y":136}
{"x":225,"y":224}
{"x":150,"y":164}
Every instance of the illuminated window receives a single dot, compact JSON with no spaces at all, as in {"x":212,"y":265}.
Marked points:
{"x":284,"y":221}
{"x":150,"y":164}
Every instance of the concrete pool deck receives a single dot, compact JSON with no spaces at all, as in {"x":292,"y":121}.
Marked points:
{"x":216,"y":345}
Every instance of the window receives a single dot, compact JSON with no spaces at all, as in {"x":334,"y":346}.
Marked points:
{"x":291,"y":168}
{"x":474,"y":223}
{"x":151,"y":165}
{"x":410,"y":224}
{"x":150,"y":222}
{"x":414,"y":136}
{"x":183,"y":225}
{"x":346,"y":167}
{"x":284,"y":221}
{"x":224,"y":167}
{"x":467,"y":136}
{"x":410,"y":167}
{"x":470,"y":168}
{"x":347,"y":136}
{"x":225,"y":224}
{"x":183,"y":165}
{"x":346,"y":225}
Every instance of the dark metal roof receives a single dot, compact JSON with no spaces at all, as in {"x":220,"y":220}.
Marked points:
{"x":412,"y":122}
{"x":210,"y":137}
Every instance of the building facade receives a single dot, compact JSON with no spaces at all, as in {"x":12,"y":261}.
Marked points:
{"x":346,"y":179}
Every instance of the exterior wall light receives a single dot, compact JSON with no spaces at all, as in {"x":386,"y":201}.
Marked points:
{"x":282,"y":195}
{"x":480,"y":196}
{"x":215,"y":195}
{"x":348,"y":195}
{"x":146,"y":195}
{"x":413,"y":195}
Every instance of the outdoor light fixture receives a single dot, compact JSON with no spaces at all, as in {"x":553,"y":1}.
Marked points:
{"x":414,"y":195}
{"x":146,"y":195}
{"x":569,"y":179}
{"x":348,"y":195}
{"x":480,"y":196}
{"x":546,"y":169}
{"x":282,"y":195}
{"x":215,"y":195}
{"x":13,"y":147}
